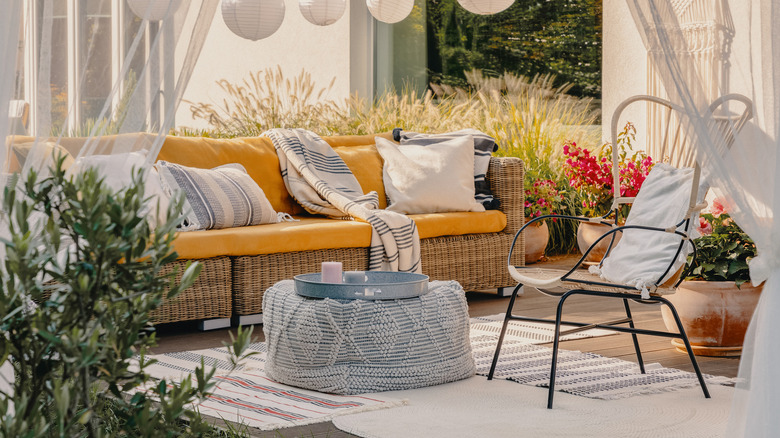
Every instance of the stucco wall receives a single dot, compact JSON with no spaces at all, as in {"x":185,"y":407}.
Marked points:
{"x":624,"y":68}
{"x":322,"y":51}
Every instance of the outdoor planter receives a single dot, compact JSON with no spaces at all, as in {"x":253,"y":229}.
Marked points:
{"x":589,"y":232}
{"x":715,"y":315}
{"x":536,"y":238}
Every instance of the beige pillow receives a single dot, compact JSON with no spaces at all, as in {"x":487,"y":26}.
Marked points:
{"x":429,"y":179}
{"x":46,"y":152}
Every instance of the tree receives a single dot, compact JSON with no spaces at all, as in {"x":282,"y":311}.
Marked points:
{"x":90,"y":260}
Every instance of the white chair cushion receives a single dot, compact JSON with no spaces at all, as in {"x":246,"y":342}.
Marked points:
{"x":641,"y":256}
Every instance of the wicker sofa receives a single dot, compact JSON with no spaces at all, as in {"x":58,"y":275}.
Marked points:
{"x":239,"y":264}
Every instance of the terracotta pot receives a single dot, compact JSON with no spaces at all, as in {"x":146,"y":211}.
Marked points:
{"x":536,"y":238}
{"x":715,"y":315}
{"x":589,"y":232}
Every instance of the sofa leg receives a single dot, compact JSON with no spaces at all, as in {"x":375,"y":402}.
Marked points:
{"x":257,"y":318}
{"x":213,"y":324}
{"x":507,"y":291}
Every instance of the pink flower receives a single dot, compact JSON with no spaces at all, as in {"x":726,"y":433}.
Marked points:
{"x":717,"y":207}
{"x":704,"y":226}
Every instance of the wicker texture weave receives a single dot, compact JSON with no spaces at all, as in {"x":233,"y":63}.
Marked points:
{"x":209,"y":297}
{"x":252,"y":275}
{"x":359,"y":346}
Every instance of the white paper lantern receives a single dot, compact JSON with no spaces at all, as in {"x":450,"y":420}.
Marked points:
{"x":322,"y":12}
{"x":485,"y":7}
{"x":253,"y":19}
{"x":154,"y":10}
{"x":390,"y":11}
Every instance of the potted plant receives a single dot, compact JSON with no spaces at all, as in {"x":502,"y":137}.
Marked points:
{"x":590,"y":173}
{"x":716,"y":300}
{"x":541,"y":199}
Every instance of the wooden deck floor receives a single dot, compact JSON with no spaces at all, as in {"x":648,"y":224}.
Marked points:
{"x":181,"y":337}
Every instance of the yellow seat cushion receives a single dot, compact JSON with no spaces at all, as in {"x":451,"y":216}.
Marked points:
{"x":459,"y":223}
{"x":311,"y":233}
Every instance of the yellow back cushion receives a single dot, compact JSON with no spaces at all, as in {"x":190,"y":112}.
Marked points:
{"x":258,"y":156}
{"x":361,"y":156}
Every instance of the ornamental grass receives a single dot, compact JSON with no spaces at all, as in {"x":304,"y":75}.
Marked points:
{"x":530,"y":118}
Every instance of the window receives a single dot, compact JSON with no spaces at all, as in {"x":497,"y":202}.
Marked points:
{"x":440,"y":40}
{"x":74,"y":54}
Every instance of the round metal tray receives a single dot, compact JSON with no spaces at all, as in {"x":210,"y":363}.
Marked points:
{"x":376,"y":285}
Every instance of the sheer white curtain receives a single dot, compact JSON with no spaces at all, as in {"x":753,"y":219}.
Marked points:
{"x":747,"y":175}
{"x":99,"y":77}
{"x":96,"y":73}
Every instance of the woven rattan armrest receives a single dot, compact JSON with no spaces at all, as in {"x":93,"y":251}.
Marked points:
{"x":505,"y":176}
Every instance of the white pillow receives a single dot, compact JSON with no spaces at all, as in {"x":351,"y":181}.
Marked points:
{"x":429,"y":179}
{"x":642,"y":256}
{"x":117,"y":173}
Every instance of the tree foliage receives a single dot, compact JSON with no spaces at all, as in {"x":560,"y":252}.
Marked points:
{"x":532,"y":37}
{"x":82,"y":272}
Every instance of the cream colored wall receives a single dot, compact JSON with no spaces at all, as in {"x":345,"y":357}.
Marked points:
{"x":322,"y":51}
{"x":624,"y":68}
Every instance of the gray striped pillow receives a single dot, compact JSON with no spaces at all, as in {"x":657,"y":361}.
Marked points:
{"x":222,"y":197}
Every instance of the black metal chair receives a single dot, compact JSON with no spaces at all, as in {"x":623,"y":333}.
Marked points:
{"x":564,"y":284}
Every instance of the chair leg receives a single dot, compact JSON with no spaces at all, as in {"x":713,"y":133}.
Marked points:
{"x":503,"y":331}
{"x":634,"y":337}
{"x":687,"y":346}
{"x":556,"y":342}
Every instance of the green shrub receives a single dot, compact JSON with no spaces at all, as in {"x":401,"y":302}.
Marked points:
{"x":90,"y":260}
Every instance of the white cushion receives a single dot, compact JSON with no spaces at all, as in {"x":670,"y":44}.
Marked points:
{"x":642,"y":256}
{"x":429,"y":179}
{"x":117,"y":173}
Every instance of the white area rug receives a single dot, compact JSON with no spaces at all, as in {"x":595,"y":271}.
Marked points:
{"x":479,"y":408}
{"x":526,"y":332}
{"x":247,"y":396}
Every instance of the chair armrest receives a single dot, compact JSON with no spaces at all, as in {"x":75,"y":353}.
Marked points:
{"x":505,"y":176}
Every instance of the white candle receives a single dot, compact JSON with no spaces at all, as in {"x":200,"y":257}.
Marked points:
{"x":331,"y":272}
{"x":354,"y":277}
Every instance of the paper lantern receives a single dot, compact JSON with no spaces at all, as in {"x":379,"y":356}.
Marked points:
{"x":253,"y":19}
{"x":390,"y":11}
{"x":322,"y":12}
{"x":154,"y":10}
{"x":485,"y":7}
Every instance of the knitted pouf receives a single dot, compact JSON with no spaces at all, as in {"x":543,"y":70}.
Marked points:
{"x":359,"y":346}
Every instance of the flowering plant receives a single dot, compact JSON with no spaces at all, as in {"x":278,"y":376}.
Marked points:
{"x":591,"y":174}
{"x":541,"y":199}
{"x":723,"y":250}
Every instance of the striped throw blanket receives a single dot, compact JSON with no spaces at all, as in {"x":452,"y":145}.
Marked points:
{"x":317,"y":177}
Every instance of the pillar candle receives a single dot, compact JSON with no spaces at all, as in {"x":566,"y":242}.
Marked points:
{"x":354,"y":277}
{"x":331,"y":272}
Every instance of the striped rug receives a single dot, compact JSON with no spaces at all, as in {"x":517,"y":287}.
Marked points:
{"x":584,"y":374}
{"x":247,"y":396}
